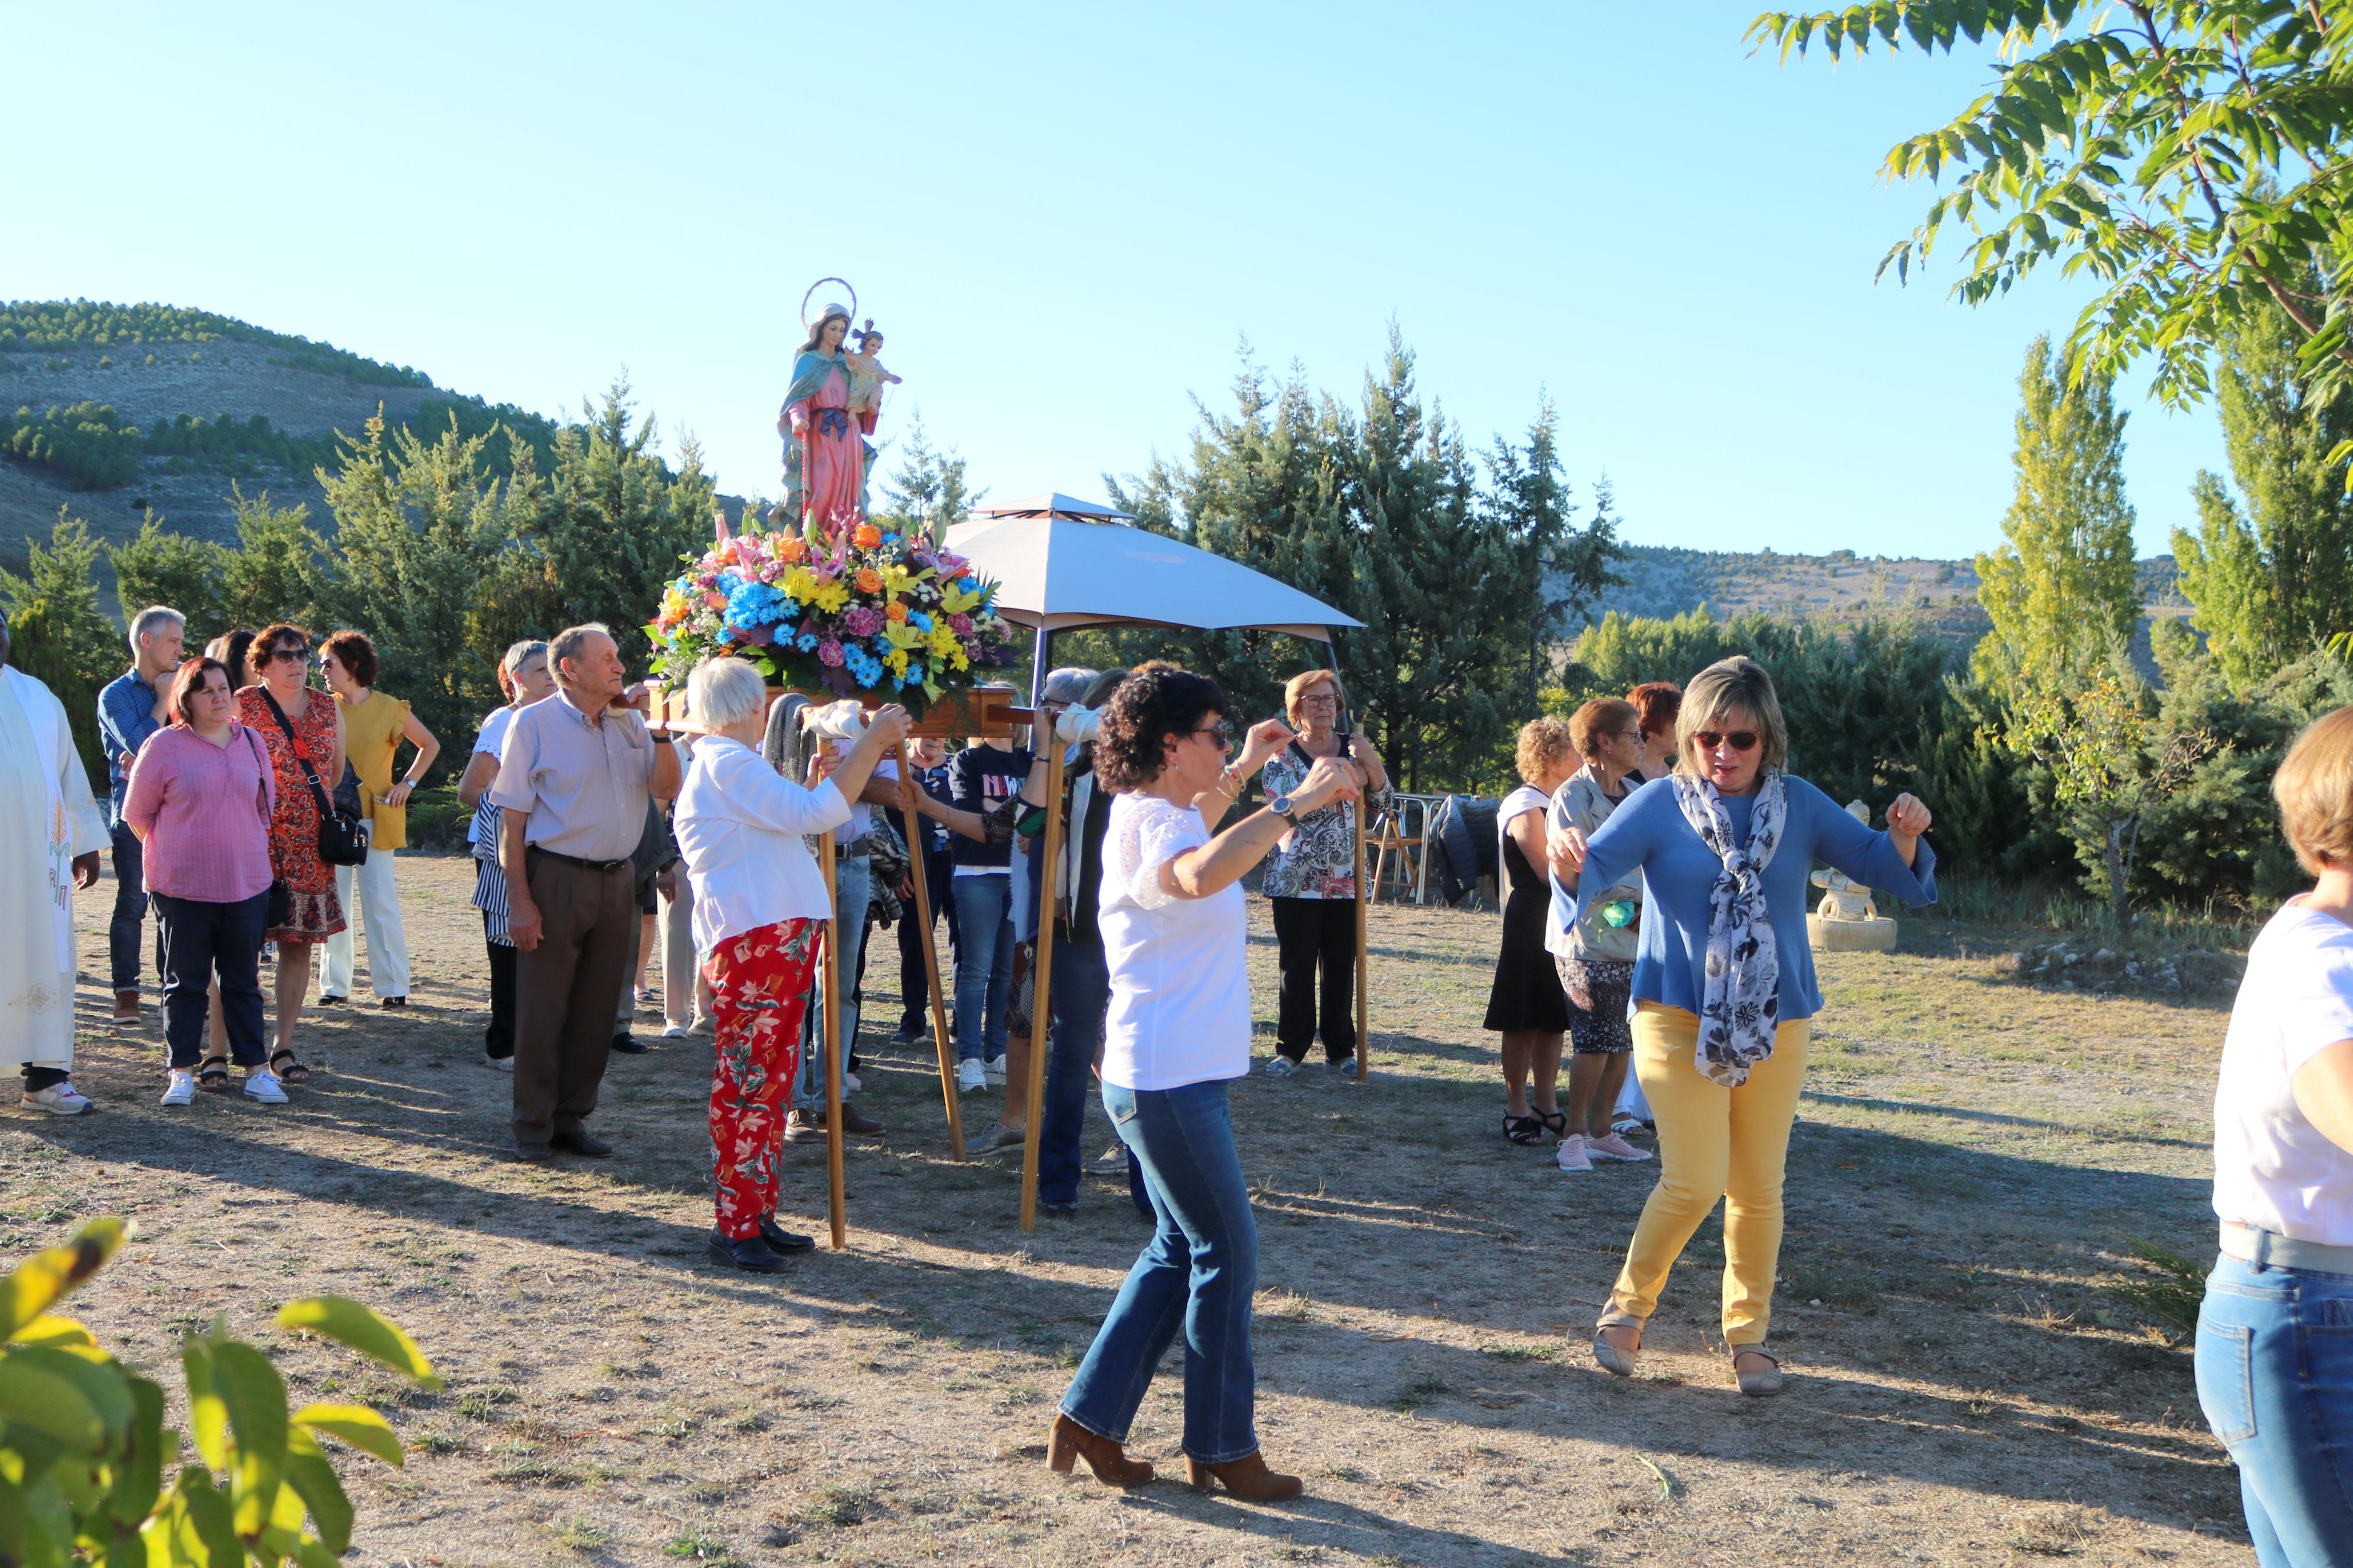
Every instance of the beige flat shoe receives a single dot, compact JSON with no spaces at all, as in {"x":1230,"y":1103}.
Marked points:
{"x":1619,"y":1363}
{"x":1762,"y":1381}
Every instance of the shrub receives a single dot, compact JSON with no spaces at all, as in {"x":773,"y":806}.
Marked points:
{"x":84,"y":1450}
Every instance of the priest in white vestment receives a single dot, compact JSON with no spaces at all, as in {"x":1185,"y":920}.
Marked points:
{"x":50,"y":833}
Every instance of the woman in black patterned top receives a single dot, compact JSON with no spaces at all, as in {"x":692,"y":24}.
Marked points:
{"x":1311,"y":879}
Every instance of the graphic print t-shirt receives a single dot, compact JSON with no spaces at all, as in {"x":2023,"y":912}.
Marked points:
{"x":981,"y":779}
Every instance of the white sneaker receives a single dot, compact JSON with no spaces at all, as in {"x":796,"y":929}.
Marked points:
{"x":1281,"y":1066}
{"x":498,"y":1064}
{"x":850,"y":1084}
{"x":970,"y":1076}
{"x":1573,"y":1156}
{"x":993,"y":1071}
{"x":673,"y":1031}
{"x":182,"y":1089}
{"x":1614,"y":1148}
{"x":59,"y":1099}
{"x":261,"y":1084}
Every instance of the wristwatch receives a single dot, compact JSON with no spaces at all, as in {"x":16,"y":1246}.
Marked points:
{"x":1280,"y":806}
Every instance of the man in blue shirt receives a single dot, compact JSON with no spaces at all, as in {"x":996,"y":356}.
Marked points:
{"x":131,"y":708}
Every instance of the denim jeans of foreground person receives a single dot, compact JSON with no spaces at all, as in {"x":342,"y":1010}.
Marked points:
{"x":852,"y":885}
{"x":2275,"y":1381}
{"x":983,"y":964}
{"x":1080,"y":984}
{"x":1197,"y":1274}
{"x":203,"y":941}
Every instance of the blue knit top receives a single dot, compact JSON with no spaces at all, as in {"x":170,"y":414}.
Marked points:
{"x":1648,"y":833}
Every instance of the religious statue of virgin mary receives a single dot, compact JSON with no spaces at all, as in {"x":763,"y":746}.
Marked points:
{"x":827,"y":454}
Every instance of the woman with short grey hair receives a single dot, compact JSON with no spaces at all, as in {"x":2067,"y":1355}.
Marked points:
{"x":759,"y":904}
{"x":1723,"y":985}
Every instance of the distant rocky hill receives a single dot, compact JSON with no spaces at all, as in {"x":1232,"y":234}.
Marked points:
{"x":1841,"y":586}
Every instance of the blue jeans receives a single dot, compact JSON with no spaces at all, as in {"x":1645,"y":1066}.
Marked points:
{"x":1198,"y":1273}
{"x":852,"y":881}
{"x":1081,"y":985}
{"x":2275,"y":1381}
{"x":203,"y":942}
{"x":129,"y":911}
{"x":983,"y":964}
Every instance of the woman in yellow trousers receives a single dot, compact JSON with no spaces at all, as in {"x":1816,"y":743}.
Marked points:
{"x":1723,"y":986}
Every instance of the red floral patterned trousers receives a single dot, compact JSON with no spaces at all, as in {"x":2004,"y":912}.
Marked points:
{"x":760,"y":987}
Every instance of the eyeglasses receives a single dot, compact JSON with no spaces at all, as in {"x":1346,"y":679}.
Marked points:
{"x":1218,"y":735}
{"x":1739,"y":739}
{"x":1321,"y":700}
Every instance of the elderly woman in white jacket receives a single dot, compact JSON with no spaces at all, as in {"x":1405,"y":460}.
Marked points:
{"x":758,"y":902}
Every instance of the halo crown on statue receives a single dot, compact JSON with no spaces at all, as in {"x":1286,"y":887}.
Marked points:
{"x":827,"y":598}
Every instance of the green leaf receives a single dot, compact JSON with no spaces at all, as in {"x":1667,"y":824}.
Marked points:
{"x":28,"y":1288}
{"x":207,"y":1412}
{"x":204,"y":1532}
{"x":80,"y":1404}
{"x":48,"y":1330}
{"x":357,"y":1425}
{"x":139,"y":1471}
{"x":363,"y":1329}
{"x":256,"y":1397}
{"x":309,"y":1473}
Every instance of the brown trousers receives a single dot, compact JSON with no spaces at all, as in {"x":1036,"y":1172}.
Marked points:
{"x":564,"y":993}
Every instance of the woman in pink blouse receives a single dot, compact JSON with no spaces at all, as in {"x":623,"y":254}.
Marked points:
{"x":201,"y":795}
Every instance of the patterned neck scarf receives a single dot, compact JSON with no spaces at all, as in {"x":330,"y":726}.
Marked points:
{"x":1740,"y":1009}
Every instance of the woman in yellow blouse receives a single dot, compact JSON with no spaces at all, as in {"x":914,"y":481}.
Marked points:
{"x":374,"y":724}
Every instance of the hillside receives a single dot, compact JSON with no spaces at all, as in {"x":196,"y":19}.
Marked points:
{"x":185,"y":403}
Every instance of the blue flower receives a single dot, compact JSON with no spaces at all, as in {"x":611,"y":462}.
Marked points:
{"x":729,"y":583}
{"x":806,"y":642}
{"x":920,"y":621}
{"x":967,"y":582}
{"x":914,"y":675}
{"x":754,"y":604}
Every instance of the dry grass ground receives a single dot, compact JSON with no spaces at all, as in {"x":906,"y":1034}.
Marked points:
{"x":1962,"y":1391}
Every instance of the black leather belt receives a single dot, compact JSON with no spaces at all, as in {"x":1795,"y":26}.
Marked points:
{"x":598,"y":865}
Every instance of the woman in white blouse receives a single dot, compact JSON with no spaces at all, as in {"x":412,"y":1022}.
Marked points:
{"x":2275,"y":1331}
{"x":759,"y":900}
{"x":1178,"y":1033}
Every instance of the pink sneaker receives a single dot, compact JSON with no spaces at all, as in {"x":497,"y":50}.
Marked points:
{"x":1614,"y":1148}
{"x":1572,"y":1154}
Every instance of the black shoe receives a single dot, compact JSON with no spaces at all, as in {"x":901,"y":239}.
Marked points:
{"x":908,"y":1034}
{"x":780,"y":1239}
{"x":1047,"y":1206}
{"x":628,"y":1044}
{"x":532,"y":1153}
{"x":327,"y":1001}
{"x":750,"y":1253}
{"x":394,"y":1002}
{"x":582,"y":1143}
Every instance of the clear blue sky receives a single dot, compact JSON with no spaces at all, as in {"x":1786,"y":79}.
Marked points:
{"x":1067,"y":217}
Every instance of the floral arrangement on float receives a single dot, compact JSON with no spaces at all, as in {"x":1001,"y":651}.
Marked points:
{"x":855,"y":610}
{"x":832,"y":601}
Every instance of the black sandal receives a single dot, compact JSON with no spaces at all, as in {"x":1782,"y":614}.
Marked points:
{"x":1525,"y":1131}
{"x":1556,"y":1125}
{"x":292,"y":1072}
{"x":212,"y":1075}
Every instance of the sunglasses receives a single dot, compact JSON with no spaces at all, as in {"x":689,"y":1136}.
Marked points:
{"x":289,"y":655}
{"x":1217,"y":732}
{"x":1739,"y":739}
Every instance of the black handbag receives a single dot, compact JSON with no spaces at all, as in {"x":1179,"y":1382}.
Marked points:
{"x":343,"y":835}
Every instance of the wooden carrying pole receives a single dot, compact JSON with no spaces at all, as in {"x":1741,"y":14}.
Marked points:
{"x":932,"y":962}
{"x":832,"y":1001}
{"x":1364,"y":1040}
{"x":1041,"y":975}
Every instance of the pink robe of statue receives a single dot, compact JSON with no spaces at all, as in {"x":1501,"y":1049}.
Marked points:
{"x":836,"y":449}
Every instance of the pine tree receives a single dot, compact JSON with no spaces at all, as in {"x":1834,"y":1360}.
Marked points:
{"x":59,"y":635}
{"x":161,"y":567}
{"x":276,"y":571}
{"x":926,"y":492}
{"x":2060,"y":590}
{"x":2275,"y":581}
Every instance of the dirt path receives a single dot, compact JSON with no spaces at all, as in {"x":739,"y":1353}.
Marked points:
{"x":1961,"y":1391}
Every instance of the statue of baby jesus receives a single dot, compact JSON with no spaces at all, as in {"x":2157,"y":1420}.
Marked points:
{"x":1843,"y":897}
{"x":867,"y":376}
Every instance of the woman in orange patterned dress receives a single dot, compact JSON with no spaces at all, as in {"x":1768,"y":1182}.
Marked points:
{"x":275,"y":665}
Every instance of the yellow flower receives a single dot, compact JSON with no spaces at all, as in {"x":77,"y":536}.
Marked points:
{"x":831,"y":598}
{"x":896,"y":661}
{"x":955,"y":600}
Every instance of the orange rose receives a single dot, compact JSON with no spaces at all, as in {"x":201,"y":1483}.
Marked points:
{"x":794,"y":550}
{"x":895,"y":611}
{"x":867,"y":537}
{"x":868,"y":579}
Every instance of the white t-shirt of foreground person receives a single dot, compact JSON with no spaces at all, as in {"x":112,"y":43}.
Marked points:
{"x":1180,"y":1008}
{"x":2274,"y":1170}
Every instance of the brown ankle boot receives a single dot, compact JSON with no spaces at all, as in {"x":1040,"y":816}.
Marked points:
{"x":1247,"y":1477}
{"x":1113,"y":1467}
